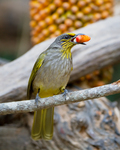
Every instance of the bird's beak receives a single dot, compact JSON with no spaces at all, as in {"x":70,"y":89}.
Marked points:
{"x":80,"y":39}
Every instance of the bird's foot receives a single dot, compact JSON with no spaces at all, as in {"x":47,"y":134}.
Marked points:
{"x":36,"y":99}
{"x":65,"y":94}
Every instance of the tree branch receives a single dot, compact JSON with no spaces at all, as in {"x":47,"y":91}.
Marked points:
{"x":77,"y":96}
{"x":102,"y":50}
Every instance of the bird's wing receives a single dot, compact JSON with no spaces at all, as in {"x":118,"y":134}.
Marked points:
{"x":36,"y":67}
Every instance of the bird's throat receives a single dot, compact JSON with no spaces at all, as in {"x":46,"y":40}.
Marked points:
{"x":66,"y":49}
{"x":66,"y":53}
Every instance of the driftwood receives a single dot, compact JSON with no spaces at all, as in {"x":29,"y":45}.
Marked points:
{"x":102,"y":50}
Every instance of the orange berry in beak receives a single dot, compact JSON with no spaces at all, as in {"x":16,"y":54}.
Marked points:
{"x":82,"y":38}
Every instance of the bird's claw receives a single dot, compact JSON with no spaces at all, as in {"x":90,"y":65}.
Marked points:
{"x":65,"y":93}
{"x":36,"y":99}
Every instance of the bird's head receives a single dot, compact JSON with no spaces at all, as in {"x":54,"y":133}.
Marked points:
{"x":65,"y":42}
{"x":68,"y":40}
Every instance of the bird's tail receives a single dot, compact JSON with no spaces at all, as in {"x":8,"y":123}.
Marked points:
{"x":43,"y":124}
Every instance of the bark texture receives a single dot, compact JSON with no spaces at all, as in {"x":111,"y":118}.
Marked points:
{"x":88,"y":125}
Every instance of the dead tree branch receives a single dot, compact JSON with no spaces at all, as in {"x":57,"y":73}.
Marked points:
{"x":77,"y":96}
{"x":102,"y":50}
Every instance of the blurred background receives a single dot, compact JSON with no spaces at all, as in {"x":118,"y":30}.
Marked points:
{"x":46,"y":18}
{"x":26,"y":23}
{"x":14,"y":28}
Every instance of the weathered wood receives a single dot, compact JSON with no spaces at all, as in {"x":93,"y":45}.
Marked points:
{"x":90,"y":125}
{"x":102,"y":50}
{"x":3,"y":61}
{"x":15,"y":138}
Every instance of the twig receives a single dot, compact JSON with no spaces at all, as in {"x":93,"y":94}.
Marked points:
{"x":77,"y":96}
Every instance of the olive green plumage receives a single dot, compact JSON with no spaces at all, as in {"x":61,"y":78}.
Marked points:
{"x":49,"y":77}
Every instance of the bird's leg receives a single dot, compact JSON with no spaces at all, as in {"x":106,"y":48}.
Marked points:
{"x":65,"y":93}
{"x":37,"y":97}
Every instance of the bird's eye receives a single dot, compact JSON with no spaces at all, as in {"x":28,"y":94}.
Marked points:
{"x":67,"y":37}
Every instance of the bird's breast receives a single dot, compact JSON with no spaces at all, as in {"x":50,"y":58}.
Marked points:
{"x":53,"y":74}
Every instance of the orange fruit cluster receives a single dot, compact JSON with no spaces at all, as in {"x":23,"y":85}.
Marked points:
{"x":98,"y":77}
{"x":50,"y":18}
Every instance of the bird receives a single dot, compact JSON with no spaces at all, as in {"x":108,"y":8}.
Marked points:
{"x":49,"y":77}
